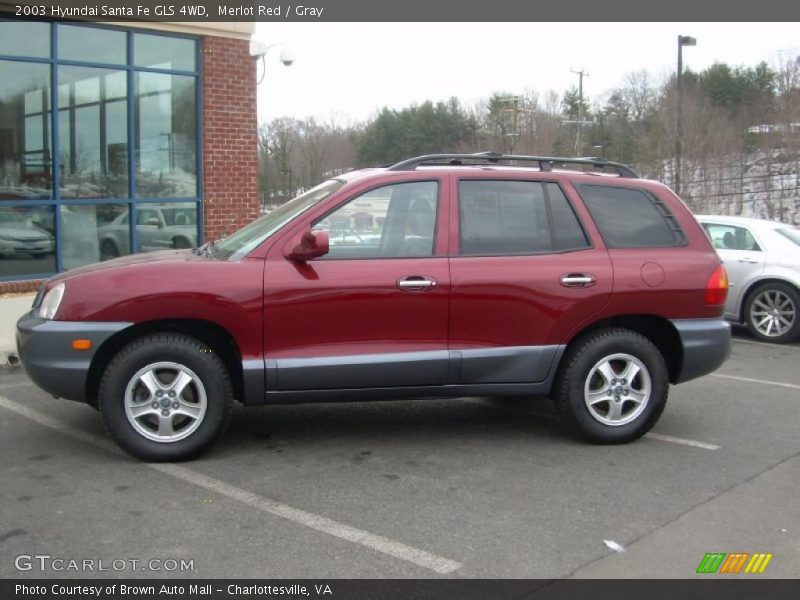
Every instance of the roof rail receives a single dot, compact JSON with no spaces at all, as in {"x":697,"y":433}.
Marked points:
{"x":545,"y":162}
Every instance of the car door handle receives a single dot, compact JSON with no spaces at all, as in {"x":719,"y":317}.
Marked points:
{"x":416,"y":282}
{"x":749,"y":261}
{"x":577,"y":280}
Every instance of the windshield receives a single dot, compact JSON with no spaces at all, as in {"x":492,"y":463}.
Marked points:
{"x":792,"y":233}
{"x":242,"y":242}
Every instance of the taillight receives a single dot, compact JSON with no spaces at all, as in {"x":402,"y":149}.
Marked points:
{"x":717,"y":287}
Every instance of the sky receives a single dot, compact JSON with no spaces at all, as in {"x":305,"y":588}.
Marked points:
{"x":348,"y":71}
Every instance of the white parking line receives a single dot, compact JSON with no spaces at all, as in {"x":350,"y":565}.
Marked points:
{"x":651,"y":435}
{"x":773,"y":346}
{"x":364,"y":538}
{"x":677,"y":440}
{"x":791,"y":386}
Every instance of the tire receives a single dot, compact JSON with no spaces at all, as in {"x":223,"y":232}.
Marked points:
{"x":171,"y":425}
{"x":772,"y":313}
{"x":580,"y":382}
{"x":181,"y":243}
{"x":108,"y":250}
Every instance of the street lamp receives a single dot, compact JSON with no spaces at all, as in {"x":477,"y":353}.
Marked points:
{"x":683,"y":40}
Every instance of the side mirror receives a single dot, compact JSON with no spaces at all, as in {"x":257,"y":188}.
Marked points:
{"x":313,"y":244}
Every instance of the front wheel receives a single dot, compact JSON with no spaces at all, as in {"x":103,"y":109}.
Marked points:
{"x":165,"y":397}
{"x":612,"y":386}
{"x":771,"y":313}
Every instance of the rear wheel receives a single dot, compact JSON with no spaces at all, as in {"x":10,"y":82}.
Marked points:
{"x":612,"y":386}
{"x":165,"y":397}
{"x":771,"y":313}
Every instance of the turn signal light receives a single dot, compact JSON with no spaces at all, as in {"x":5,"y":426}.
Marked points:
{"x":717,"y":287}
{"x":81,"y":344}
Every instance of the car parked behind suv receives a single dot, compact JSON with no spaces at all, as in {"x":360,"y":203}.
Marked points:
{"x":763,"y":261}
{"x":484,"y":275}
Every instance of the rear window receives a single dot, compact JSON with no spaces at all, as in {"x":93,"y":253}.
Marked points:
{"x":631,"y":218}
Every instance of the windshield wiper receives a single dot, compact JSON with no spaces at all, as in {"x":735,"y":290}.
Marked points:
{"x":206,"y":249}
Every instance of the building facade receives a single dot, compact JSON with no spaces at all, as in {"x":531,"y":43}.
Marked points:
{"x":121,"y":139}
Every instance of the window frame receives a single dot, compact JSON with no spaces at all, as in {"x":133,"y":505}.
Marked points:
{"x":440,"y":205}
{"x":672,"y":222}
{"x":548,"y":211}
{"x":131,"y":201}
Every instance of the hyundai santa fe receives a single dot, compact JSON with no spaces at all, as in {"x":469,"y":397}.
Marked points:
{"x":479,"y":274}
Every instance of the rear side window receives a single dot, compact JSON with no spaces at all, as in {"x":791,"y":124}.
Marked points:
{"x":516,"y":217}
{"x":631,"y":218}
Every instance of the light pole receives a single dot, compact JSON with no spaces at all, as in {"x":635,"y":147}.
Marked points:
{"x":683,"y":40}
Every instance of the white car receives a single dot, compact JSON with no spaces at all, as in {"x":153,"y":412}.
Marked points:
{"x":20,"y":238}
{"x":763,"y":263}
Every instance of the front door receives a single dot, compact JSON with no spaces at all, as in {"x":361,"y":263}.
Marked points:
{"x":373,"y":311}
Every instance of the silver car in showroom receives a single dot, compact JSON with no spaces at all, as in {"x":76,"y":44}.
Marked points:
{"x":763,"y":262}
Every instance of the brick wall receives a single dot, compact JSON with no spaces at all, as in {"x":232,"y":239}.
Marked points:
{"x":230,"y":160}
{"x":18,"y":287}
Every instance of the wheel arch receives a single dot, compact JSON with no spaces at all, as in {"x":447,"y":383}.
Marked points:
{"x":659,"y":330}
{"x":207,"y":332}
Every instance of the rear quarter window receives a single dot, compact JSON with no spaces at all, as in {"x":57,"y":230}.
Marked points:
{"x":631,"y":218}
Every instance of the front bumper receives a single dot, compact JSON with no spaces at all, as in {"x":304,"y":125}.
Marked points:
{"x":706,"y":345}
{"x":45,"y":349}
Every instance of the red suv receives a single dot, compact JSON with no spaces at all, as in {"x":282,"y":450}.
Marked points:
{"x":442,"y":275}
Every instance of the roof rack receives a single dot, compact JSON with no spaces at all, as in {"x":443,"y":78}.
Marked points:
{"x":545,"y":162}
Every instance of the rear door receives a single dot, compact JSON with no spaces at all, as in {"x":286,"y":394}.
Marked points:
{"x":524,"y":274}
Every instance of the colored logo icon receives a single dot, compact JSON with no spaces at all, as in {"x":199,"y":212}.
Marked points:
{"x":734,"y":562}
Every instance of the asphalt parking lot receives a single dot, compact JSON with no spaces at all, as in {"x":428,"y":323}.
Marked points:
{"x":453,"y":488}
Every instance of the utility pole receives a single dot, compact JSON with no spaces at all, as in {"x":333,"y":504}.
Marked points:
{"x":581,"y":74}
{"x":514,"y":134}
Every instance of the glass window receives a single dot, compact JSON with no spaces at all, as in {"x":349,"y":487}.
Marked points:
{"x":791,"y":233}
{"x":730,"y":237}
{"x":393,"y":221}
{"x":568,"y":231}
{"x":166,"y":130}
{"x":165,"y":226}
{"x":93,"y":232}
{"x":503,"y":217}
{"x":92,"y":44}
{"x":27,"y":245}
{"x":92,"y":133}
{"x":249,"y":237}
{"x":161,"y":52}
{"x":630,"y":218}
{"x":25,"y":166}
{"x":25,"y":38}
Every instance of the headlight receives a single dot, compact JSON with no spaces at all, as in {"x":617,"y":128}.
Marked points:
{"x":51,"y":301}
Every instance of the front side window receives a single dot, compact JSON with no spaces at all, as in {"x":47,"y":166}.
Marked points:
{"x":249,"y":237}
{"x":730,"y":237}
{"x":630,"y":218}
{"x":393,"y":221}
